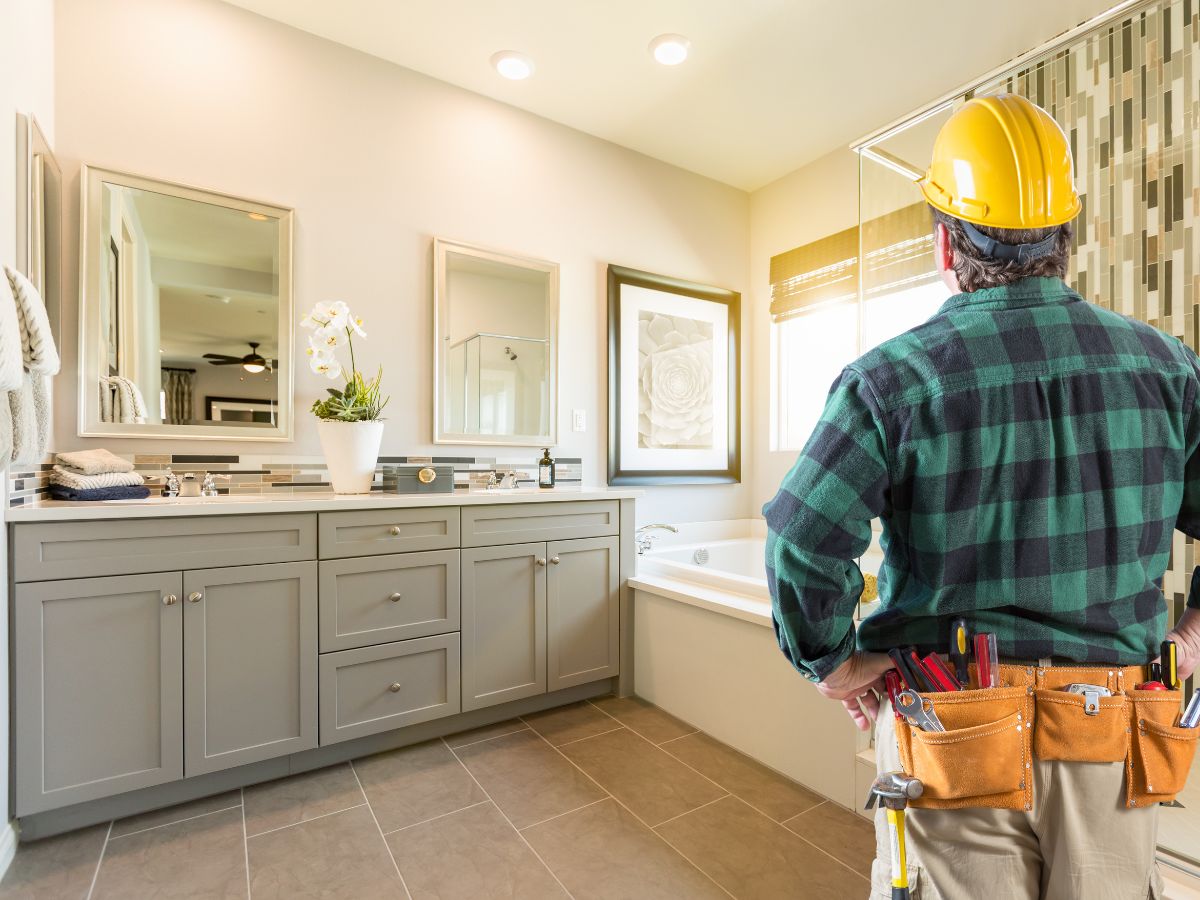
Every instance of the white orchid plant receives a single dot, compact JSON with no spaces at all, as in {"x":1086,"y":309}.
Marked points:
{"x":334,"y":326}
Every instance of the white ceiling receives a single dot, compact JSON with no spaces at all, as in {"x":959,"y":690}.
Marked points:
{"x":770,"y":85}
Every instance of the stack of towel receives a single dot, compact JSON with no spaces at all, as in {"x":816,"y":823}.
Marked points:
{"x":95,"y":475}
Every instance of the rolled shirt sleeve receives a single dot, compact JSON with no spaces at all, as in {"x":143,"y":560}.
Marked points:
{"x":820,"y":523}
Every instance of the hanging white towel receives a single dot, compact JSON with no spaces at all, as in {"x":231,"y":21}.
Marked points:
{"x":38,"y":352}
{"x":121,"y":400}
{"x":43,"y":409}
{"x":24,"y":423}
{"x":12,"y":359}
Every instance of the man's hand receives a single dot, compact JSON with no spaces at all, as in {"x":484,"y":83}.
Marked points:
{"x":853,"y":681}
{"x":1186,"y":636}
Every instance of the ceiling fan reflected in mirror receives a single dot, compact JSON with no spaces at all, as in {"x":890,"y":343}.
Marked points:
{"x":252,"y":362}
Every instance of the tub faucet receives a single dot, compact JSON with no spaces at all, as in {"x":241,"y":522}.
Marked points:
{"x":644,"y":540}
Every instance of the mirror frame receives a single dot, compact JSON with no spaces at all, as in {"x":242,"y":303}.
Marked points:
{"x":441,"y":317}
{"x":35,"y":157}
{"x":92,"y":179}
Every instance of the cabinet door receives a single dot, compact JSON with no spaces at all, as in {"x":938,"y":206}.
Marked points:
{"x":583,"y":612}
{"x":503,"y":624}
{"x":250,"y":664}
{"x":99,"y":692}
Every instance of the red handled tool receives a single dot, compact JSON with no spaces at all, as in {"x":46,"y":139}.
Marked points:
{"x":895,"y":685}
{"x":912,"y":680}
{"x":960,"y":650}
{"x":939,"y":673}
{"x":986,"y":663}
{"x":924,"y":682}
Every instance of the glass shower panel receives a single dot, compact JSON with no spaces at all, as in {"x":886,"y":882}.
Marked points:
{"x":495,"y":384}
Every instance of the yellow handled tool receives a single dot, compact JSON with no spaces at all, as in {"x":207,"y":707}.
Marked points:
{"x":893,"y":790}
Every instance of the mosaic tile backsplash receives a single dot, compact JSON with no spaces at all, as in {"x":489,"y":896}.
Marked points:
{"x":271,"y":474}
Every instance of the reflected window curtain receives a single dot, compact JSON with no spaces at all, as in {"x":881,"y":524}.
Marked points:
{"x":177,"y":385}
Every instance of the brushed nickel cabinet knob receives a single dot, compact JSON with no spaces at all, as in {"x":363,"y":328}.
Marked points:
{"x":541,"y":562}
{"x":195,"y":597}
{"x":394,"y":686}
{"x":554,"y":560}
{"x":170,"y":600}
{"x":394,"y":531}
{"x":396,"y":597}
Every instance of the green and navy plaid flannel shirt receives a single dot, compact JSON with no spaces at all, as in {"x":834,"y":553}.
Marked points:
{"x":1029,"y":454}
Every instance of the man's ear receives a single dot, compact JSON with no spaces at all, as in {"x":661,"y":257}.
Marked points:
{"x":943,"y":255}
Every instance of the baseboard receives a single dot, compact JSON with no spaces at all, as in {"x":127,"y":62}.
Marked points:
{"x":8,"y":846}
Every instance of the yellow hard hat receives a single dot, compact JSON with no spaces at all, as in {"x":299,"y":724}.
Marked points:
{"x":1002,"y":161}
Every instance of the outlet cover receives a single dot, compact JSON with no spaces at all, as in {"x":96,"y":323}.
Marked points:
{"x":578,"y":420}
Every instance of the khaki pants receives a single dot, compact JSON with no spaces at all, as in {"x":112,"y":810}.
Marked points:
{"x":1078,"y":842}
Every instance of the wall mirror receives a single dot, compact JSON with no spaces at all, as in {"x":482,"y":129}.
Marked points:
{"x":39,"y":216}
{"x":495,"y":347}
{"x":185,"y":312}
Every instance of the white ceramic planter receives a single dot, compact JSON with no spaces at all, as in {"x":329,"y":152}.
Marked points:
{"x":351,"y":451}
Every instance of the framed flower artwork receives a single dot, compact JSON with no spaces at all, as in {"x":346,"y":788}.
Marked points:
{"x":673,"y":390}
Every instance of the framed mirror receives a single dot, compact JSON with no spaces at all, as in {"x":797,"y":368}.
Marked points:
{"x":495,"y":347}
{"x":39,"y":216}
{"x":185,"y":312}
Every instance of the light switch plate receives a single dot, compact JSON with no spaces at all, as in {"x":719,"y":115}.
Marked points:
{"x":578,"y":420}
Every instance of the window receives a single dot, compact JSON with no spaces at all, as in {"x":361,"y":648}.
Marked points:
{"x":807,"y":353}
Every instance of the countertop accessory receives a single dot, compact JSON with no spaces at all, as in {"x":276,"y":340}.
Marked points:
{"x":546,"y":469}
{"x":418,"y":479}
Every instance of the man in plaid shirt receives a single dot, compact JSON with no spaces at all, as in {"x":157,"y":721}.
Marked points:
{"x":1029,"y":455}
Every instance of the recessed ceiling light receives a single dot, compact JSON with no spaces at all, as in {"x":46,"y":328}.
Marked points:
{"x":512,"y":65}
{"x":258,"y":217}
{"x":670,"y":49}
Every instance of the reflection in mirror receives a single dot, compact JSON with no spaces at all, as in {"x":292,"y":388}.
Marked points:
{"x":496,"y":352}
{"x":186,"y":306}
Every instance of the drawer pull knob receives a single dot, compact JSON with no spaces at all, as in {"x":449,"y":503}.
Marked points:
{"x":555,"y":560}
{"x":396,"y":597}
{"x":394,"y":686}
{"x":394,"y":531}
{"x":540,"y":561}
{"x":195,"y":597}
{"x":427,"y":475}
{"x":170,"y":600}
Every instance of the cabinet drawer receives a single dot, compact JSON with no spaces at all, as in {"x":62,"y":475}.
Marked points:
{"x":518,"y":523}
{"x":388,"y":598}
{"x":82,"y":549}
{"x":378,"y":531}
{"x":376,"y":689}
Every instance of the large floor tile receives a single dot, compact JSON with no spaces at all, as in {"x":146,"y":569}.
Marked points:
{"x":765,"y":790}
{"x":571,"y":723}
{"x":415,"y":783}
{"x":470,"y":854}
{"x":654,"y":785}
{"x":756,"y":859}
{"x":485,"y":732}
{"x":54,"y":868}
{"x":338,"y":857}
{"x":176,"y":813}
{"x":840,"y":833}
{"x":602,"y":851}
{"x":299,"y":798}
{"x":200,"y":859}
{"x":645,"y":718}
{"x":529,"y":780}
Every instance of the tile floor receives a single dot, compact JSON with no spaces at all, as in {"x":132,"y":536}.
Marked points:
{"x":606,"y":799}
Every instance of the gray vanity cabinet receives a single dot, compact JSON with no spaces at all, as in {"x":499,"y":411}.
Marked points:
{"x":503,"y":624}
{"x":250,"y":664}
{"x":99,"y":687}
{"x":583,"y":611}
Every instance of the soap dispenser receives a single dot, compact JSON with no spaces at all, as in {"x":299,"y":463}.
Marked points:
{"x":545,"y":469}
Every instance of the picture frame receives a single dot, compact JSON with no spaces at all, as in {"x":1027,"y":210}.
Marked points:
{"x":244,"y":410}
{"x":674,"y":387}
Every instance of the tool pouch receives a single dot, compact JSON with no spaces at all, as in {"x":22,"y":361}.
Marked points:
{"x":1069,"y":728}
{"x":1161,"y":753}
{"x":983,"y":756}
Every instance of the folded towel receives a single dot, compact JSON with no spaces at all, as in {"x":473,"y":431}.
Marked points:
{"x":67,"y":478}
{"x":38,"y":352}
{"x":94,"y":462}
{"x":129,"y":492}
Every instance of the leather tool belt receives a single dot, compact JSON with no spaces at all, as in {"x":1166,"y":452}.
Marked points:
{"x":984,"y":757}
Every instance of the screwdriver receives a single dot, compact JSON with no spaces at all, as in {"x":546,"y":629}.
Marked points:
{"x":1170,"y":665}
{"x":960,"y":650}
{"x":895,"y":685}
{"x":985,"y":659}
{"x":912,"y":680}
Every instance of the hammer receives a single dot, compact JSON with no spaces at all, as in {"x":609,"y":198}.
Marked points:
{"x":894,"y":790}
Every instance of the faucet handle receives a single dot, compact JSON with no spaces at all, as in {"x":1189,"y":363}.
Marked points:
{"x":209,"y":486}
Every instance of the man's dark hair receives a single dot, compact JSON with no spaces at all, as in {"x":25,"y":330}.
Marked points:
{"x":976,"y":271}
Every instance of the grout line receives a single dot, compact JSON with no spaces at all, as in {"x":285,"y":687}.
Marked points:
{"x":304,"y":821}
{"x":524,"y":727}
{"x":590,"y":736}
{"x":560,"y":815}
{"x":845,"y":866}
{"x":96,"y":874}
{"x":802,"y":812}
{"x":435,"y":818}
{"x":386,"y":845}
{"x":677,"y":738}
{"x":671,"y":755}
{"x":211,"y":812}
{"x":638,"y":733}
{"x":245,"y":840}
{"x":648,"y":826}
{"x":700,"y":807}
{"x":515,"y":829}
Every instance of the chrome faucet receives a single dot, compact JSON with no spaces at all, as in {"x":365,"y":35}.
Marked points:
{"x":189,"y":486}
{"x":502,"y":482}
{"x":644,"y":540}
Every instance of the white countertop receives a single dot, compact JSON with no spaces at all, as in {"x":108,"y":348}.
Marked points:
{"x":249,"y":504}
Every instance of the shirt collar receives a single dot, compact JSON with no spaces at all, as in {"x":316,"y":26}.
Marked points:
{"x":1026,"y":292}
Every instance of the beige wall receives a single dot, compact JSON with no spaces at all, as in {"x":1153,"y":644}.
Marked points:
{"x":377,"y":160}
{"x":26,"y":86}
{"x":812,"y":202}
